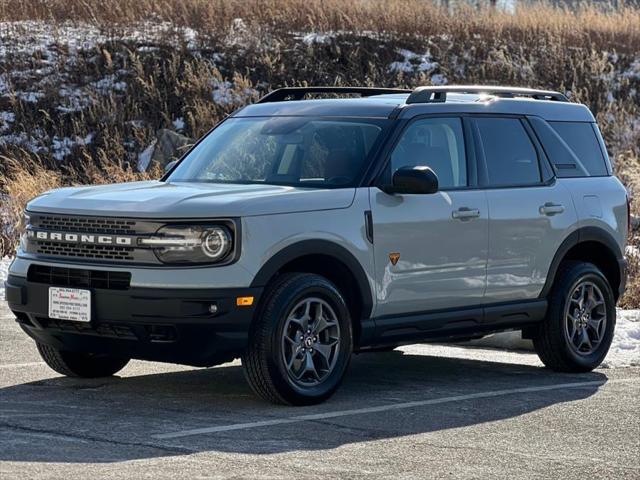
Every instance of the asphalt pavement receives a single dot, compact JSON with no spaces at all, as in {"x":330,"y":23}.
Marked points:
{"x":421,"y":412}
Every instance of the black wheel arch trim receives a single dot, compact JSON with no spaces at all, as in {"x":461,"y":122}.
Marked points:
{"x":318,"y":247}
{"x":581,"y":235}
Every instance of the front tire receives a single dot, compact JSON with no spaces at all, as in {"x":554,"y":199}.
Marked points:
{"x":578,"y":331}
{"x":301,"y":343}
{"x":83,"y":365}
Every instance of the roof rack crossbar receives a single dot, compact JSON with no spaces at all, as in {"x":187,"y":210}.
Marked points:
{"x":298,"y":93}
{"x":439,"y":94}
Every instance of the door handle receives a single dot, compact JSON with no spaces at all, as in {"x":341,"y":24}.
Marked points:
{"x":551,"y":209}
{"x":465,"y":213}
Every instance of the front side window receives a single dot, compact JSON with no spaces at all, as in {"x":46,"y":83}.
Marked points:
{"x":293,"y":151}
{"x":510,"y":156}
{"x":437,"y":143}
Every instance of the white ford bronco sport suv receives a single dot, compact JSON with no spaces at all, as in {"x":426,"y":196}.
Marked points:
{"x":300,"y":231}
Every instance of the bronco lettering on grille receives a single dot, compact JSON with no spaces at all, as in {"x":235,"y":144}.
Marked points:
{"x":87,"y":239}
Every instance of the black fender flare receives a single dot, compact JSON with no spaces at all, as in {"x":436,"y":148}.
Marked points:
{"x":581,"y":235}
{"x":318,"y":247}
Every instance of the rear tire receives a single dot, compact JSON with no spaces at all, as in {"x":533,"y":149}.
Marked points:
{"x":301,"y":342}
{"x":578,"y":330}
{"x":83,"y":365}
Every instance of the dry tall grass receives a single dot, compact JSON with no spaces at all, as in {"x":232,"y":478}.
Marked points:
{"x":407,"y":17}
{"x":26,"y":180}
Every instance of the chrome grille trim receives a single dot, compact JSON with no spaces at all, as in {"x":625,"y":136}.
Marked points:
{"x":91,"y":251}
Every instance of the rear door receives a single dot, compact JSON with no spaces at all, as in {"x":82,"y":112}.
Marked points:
{"x":430,"y":250}
{"x":530,"y":213}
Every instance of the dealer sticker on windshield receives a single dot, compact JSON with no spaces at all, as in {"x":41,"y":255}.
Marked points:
{"x":70,"y":304}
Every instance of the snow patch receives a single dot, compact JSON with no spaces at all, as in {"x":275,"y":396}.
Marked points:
{"x":439,"y":79}
{"x":507,"y":6}
{"x":625,"y":348}
{"x":74,"y":99}
{"x":624,"y":351}
{"x":109,"y":84}
{"x":30,"y":97}
{"x":633,"y":72}
{"x":413,"y":62}
{"x":5,"y":119}
{"x":4,"y":85}
{"x":33,"y":143}
{"x":4,"y":273}
{"x":61,"y":147}
{"x":144,"y":159}
{"x":27,"y":37}
{"x":178,"y":124}
{"x":632,"y":251}
{"x":136,"y":123}
{"x":316,"y":38}
{"x":224,"y":93}
{"x":191,"y":37}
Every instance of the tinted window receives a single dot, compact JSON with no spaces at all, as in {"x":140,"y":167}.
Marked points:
{"x":296,"y":151}
{"x":582,"y":140}
{"x":511,"y":157}
{"x":437,"y":143}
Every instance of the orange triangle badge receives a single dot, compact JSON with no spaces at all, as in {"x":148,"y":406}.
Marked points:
{"x":394,"y":257}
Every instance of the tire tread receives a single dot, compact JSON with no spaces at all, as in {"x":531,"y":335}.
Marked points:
{"x":71,"y":367}
{"x":549,"y":339}
{"x":256,"y":358}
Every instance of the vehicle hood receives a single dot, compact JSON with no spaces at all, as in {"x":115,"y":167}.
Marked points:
{"x":155,"y":199}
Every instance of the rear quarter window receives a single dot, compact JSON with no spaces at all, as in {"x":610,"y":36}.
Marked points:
{"x":581,"y":138}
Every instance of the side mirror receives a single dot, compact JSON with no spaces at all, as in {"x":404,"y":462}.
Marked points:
{"x":413,"y":180}
{"x":169,"y":166}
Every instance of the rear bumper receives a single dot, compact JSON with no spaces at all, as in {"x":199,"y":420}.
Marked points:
{"x":169,"y":325}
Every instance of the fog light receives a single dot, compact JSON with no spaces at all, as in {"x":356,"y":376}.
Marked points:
{"x":213,"y":308}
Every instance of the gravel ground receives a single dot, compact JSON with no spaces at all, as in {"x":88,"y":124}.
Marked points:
{"x":422,"y":412}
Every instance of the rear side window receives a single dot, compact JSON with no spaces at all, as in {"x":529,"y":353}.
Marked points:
{"x":510,"y":156}
{"x":581,"y":138}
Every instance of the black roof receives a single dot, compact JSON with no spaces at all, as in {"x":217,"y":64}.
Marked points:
{"x":404,"y":104}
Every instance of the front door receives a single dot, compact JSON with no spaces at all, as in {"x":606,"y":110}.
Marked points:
{"x":430,"y":250}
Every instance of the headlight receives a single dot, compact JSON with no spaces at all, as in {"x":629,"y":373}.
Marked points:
{"x":192,"y":244}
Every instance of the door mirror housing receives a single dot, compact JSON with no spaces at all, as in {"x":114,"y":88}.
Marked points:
{"x":418,"y":180}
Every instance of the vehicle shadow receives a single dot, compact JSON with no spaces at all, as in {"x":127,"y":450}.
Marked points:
{"x":114,"y":420}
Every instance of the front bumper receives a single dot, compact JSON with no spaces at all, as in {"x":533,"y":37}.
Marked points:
{"x":168,"y":325}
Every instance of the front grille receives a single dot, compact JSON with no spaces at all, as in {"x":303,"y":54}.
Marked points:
{"x":79,"y":278}
{"x":98,"y":252}
{"x":102,"y":329}
{"x":106,"y":226}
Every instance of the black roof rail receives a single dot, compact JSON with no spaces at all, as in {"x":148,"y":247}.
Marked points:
{"x":298,"y":93}
{"x":439,"y":94}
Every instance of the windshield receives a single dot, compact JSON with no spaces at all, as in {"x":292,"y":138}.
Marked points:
{"x":294,"y":151}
